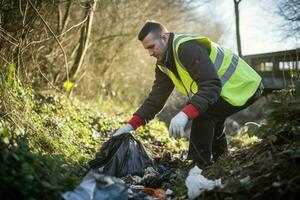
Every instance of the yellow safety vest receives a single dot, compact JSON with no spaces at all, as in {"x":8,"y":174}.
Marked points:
{"x":239,"y":80}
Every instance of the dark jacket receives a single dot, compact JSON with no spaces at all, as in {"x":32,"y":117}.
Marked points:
{"x":195,"y":58}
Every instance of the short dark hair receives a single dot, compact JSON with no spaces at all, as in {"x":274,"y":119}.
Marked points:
{"x":151,"y":26}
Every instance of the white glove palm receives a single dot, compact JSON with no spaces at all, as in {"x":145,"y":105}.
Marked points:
{"x":177,"y":125}
{"x":123,"y":129}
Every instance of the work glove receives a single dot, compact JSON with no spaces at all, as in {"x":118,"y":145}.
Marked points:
{"x":177,"y":125}
{"x":123,"y":129}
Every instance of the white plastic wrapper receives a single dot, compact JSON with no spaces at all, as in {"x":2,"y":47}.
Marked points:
{"x":98,"y":186}
{"x":197,"y":183}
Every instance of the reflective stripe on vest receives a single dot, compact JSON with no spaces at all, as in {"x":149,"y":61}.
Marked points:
{"x":239,"y":80}
{"x":217,"y":63}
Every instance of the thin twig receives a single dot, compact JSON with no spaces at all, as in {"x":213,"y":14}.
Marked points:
{"x":83,"y":74}
{"x":66,"y":17}
{"x":65,"y":55}
{"x":25,"y":13}
{"x":3,"y":58}
{"x":7,"y":33}
{"x":73,"y":27}
{"x":58,"y":36}
{"x":20,"y":7}
{"x":47,"y":79}
{"x":34,"y":61}
{"x":9,"y":40}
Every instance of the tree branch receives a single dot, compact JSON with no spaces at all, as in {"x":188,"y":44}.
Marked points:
{"x":48,"y":27}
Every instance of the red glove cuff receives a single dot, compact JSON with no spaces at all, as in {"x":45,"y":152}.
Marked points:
{"x":191,"y":111}
{"x":136,"y":121}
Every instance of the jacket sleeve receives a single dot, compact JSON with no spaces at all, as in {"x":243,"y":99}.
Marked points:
{"x":195,"y":58}
{"x":161,"y":90}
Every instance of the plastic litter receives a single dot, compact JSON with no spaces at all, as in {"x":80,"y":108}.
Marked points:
{"x":98,"y":186}
{"x":122,"y":155}
{"x":149,"y":172}
{"x":157,"y":180}
{"x":155,"y":193}
{"x":245,"y":180}
{"x":151,"y":178}
{"x":169,"y":192}
{"x":197,"y":183}
{"x":139,"y":192}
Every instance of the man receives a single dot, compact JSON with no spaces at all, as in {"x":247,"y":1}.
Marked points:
{"x":217,"y":82}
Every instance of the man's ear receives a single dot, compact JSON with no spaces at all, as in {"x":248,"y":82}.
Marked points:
{"x":165,"y":37}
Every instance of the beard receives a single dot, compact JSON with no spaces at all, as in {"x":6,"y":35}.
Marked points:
{"x":162,"y":57}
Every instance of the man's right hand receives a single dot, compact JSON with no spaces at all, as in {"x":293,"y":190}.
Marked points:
{"x":123,"y":129}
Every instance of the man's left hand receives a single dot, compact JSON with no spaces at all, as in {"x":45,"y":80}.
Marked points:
{"x":178,"y":124}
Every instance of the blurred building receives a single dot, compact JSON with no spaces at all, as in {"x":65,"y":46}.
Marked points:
{"x":278,"y":69}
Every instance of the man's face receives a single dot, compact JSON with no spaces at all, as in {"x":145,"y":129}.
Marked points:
{"x":157,"y":45}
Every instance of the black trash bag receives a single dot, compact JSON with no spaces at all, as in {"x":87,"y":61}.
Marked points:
{"x":122,"y":155}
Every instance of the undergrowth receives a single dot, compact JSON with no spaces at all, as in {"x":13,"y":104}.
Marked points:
{"x":47,"y":140}
{"x":266,"y":164}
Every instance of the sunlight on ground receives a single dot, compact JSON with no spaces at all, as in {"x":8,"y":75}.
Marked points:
{"x":241,"y":140}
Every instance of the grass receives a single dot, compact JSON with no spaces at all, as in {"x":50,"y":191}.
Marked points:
{"x":47,"y":140}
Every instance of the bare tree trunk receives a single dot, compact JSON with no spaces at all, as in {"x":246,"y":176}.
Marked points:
{"x":237,"y":25}
{"x":66,"y":17}
{"x":63,"y":16}
{"x":84,"y":40}
{"x":59,"y":18}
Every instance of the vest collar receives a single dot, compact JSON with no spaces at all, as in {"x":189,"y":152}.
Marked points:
{"x":169,"y":54}
{"x":169,"y":60}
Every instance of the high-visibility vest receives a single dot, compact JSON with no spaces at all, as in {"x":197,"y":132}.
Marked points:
{"x":239,"y":80}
